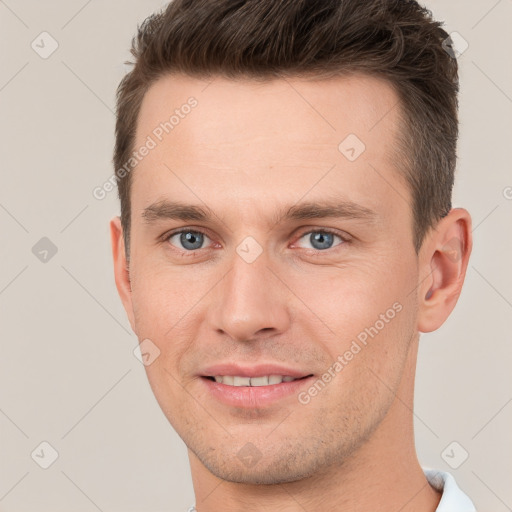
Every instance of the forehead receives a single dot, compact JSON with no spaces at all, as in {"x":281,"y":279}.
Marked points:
{"x":245,"y":136}
{"x":325,"y":107}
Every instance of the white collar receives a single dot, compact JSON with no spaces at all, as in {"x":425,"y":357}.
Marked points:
{"x":452,"y":499}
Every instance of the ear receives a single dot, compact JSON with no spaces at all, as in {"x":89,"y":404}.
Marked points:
{"x":121,"y":270}
{"x":443,"y":261}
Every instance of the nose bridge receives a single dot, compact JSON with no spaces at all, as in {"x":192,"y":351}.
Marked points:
{"x":248,"y":301}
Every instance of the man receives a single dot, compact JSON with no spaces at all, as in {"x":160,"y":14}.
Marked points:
{"x":285,"y":174}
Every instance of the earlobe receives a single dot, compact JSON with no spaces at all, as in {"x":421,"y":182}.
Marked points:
{"x":121,"y":270}
{"x":443,"y":263}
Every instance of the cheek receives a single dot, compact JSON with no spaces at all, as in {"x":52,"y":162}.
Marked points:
{"x":160,"y":297}
{"x":366,"y":364}
{"x":352,"y":297}
{"x":160,"y":312}
{"x":169,"y":307}
{"x":365,"y":313}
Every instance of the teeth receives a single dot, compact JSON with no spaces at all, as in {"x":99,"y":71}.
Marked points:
{"x":266,"y":380}
{"x":241,"y":381}
{"x":259,"y":381}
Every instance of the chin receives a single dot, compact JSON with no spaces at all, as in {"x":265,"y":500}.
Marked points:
{"x":268,"y":475}
{"x":271,"y":469}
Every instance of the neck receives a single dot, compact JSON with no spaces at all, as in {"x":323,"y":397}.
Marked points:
{"x":383,"y":474}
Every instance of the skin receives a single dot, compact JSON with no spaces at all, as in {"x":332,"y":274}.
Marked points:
{"x":246,"y":151}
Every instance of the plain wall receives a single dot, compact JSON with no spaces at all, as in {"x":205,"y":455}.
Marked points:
{"x":68,"y":374}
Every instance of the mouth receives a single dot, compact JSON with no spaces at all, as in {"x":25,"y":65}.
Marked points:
{"x":256,"y":387}
{"x":262,"y":381}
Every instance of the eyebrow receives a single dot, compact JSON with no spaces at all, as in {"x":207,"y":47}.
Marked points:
{"x":177,"y":210}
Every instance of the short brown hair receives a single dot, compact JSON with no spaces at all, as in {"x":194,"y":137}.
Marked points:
{"x":263,"y":39}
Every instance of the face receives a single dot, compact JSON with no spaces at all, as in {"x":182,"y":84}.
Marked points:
{"x":272,"y":265}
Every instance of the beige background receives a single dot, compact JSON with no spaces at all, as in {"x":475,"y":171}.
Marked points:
{"x":68,"y":375}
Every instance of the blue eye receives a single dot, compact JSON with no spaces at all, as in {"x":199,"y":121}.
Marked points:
{"x":321,"y":240}
{"x":189,"y":240}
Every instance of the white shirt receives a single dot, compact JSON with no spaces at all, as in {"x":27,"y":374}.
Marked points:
{"x":452,"y":498}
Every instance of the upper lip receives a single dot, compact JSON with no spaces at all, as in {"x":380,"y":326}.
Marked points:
{"x":255,"y":370}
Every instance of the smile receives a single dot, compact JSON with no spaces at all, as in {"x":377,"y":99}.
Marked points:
{"x":266,"y":380}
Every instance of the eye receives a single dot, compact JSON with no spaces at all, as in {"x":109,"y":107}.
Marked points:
{"x":321,"y":240}
{"x":187,"y":239}
{"x":191,"y":240}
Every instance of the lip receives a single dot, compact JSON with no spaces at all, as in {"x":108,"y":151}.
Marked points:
{"x":253,"y":397}
{"x":258,"y":370}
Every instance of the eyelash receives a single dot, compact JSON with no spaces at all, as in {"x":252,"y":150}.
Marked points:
{"x":314,"y":252}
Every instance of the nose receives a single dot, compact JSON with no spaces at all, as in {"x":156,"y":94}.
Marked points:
{"x":250,"y":302}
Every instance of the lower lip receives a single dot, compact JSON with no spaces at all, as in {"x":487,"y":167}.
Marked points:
{"x":252,"y":397}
